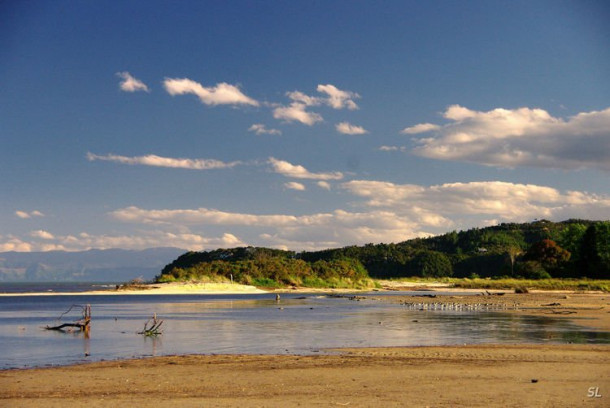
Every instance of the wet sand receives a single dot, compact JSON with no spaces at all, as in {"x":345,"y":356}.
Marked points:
{"x":460,"y":376}
{"x":465,"y":376}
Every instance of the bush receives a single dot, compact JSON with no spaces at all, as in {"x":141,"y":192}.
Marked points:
{"x":532,"y":270}
{"x":432,"y":264}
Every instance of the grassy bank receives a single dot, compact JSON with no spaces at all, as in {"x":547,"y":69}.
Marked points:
{"x":518,"y":284}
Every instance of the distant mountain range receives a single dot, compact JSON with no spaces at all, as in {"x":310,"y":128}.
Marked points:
{"x":95,"y":265}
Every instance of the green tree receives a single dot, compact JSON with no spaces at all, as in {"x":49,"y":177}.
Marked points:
{"x":432,"y":264}
{"x":594,"y":259}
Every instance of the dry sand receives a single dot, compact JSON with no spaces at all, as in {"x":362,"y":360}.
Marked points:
{"x":460,"y":376}
{"x":177,"y":288}
{"x":466,"y":376}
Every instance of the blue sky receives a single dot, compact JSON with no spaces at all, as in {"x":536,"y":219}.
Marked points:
{"x":299,"y":125}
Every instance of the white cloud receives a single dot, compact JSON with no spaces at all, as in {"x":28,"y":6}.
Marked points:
{"x":158,"y":161}
{"x":221,"y":94}
{"x":260,"y":129}
{"x":312,"y":231}
{"x":293,"y":185}
{"x":25,"y":214}
{"x":131,"y":84}
{"x":348,"y":129}
{"x":296,"y":112}
{"x":337,"y":98}
{"x":12,"y":243}
{"x":518,"y":137}
{"x":421,"y":128}
{"x":388,"y":213}
{"x":144,"y":239}
{"x":392,"y":148}
{"x":324,"y":184}
{"x":42,"y":234}
{"x":301,"y":98}
{"x":296,"y":171}
{"x":469,"y":202}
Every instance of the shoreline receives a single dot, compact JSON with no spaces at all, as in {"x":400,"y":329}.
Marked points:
{"x":480,"y":375}
{"x":177,"y":288}
{"x":455,"y":376}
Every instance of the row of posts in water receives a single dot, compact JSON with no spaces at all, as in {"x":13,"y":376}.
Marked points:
{"x":460,"y":306}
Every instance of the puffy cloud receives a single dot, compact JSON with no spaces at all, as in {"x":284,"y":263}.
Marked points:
{"x":260,"y":129}
{"x":348,"y":129}
{"x":144,"y":239}
{"x":158,"y":161}
{"x":389,"y":213}
{"x":25,"y":214}
{"x":421,"y":128}
{"x":42,"y":234}
{"x":324,"y":184}
{"x":471,"y":201}
{"x":296,"y":112}
{"x":518,"y":137}
{"x":131,"y":84}
{"x":12,"y":243}
{"x":293,"y":185}
{"x":310,"y":231}
{"x":221,"y":94}
{"x":296,"y":171}
{"x":300,"y":97}
{"x":337,"y":98}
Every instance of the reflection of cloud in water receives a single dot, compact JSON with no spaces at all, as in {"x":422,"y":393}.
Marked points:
{"x":259,"y":324}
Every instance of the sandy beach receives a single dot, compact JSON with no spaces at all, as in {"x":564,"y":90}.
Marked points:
{"x":561,"y":375}
{"x":465,"y":376}
{"x":177,"y":288}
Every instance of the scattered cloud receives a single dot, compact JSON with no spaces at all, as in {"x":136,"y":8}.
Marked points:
{"x":338,"y":99}
{"x":26,"y":215}
{"x":310,"y":231}
{"x":301,"y":98}
{"x":12,"y":243}
{"x":473,"y":201}
{"x":144,"y":239}
{"x":348,"y":129}
{"x":158,"y":161}
{"x":260,"y":129}
{"x":392,"y":148}
{"x":324,"y":184}
{"x":42,"y":234}
{"x":293,"y":185}
{"x":296,"y":112}
{"x":131,"y":84}
{"x":221,"y":94}
{"x":518,"y":137}
{"x":421,"y":128}
{"x":389,"y":213}
{"x":296,"y":171}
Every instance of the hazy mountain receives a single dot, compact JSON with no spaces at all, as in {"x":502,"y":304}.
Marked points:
{"x":109,"y":265}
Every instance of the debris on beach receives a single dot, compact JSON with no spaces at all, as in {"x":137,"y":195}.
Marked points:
{"x":82,"y":324}
{"x":154,"y":329}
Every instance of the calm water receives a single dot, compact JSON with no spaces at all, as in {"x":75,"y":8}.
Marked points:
{"x":213,"y":324}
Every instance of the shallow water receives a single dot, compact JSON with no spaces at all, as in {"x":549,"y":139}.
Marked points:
{"x":214,"y":324}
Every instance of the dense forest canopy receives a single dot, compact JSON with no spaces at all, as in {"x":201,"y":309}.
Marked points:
{"x":536,"y":250}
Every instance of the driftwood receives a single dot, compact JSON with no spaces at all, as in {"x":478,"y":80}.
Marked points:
{"x":82,"y":324}
{"x":154,"y":329}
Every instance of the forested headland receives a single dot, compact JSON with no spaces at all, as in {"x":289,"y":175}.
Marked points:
{"x":537,"y":250}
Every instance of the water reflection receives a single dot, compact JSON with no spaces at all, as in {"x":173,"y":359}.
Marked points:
{"x":260,"y":325}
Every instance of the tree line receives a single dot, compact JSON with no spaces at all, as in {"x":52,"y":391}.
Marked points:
{"x":536,"y":250}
